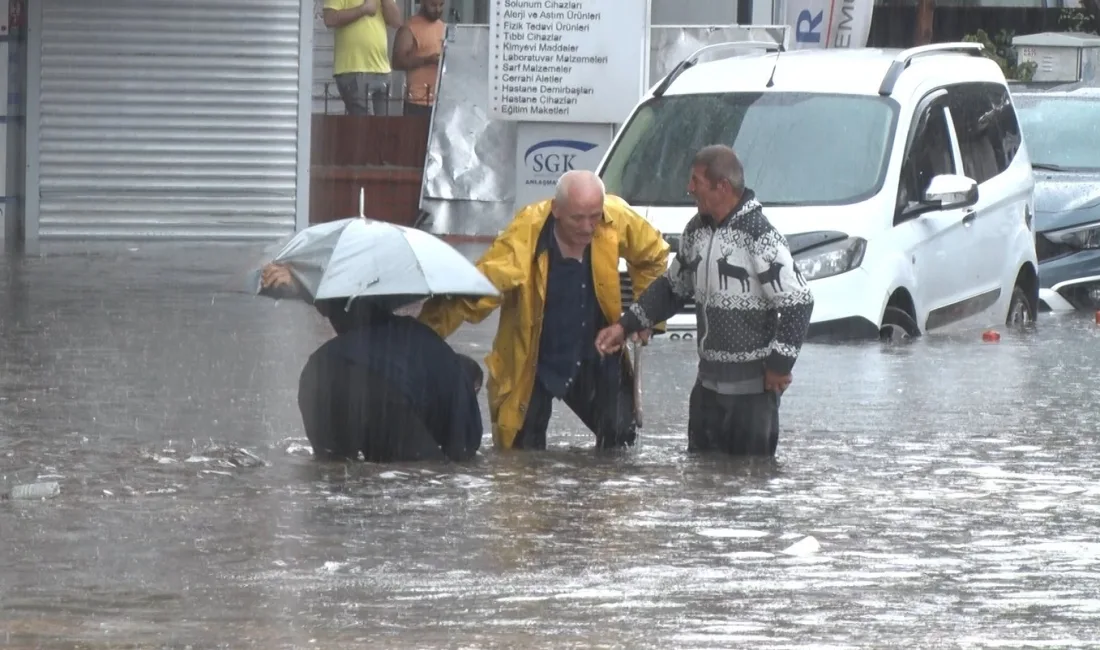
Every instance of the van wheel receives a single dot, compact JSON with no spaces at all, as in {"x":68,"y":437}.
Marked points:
{"x":1019,"y":309}
{"x":897,"y":326}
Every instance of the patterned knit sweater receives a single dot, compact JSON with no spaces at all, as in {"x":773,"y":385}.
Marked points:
{"x":753,"y":306}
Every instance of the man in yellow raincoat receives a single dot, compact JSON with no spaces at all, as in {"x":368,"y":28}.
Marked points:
{"x":556,"y":266}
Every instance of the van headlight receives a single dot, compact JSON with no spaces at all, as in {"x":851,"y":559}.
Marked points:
{"x":1079,"y":237}
{"x":831,"y":259}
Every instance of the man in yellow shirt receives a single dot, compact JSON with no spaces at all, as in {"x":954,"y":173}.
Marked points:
{"x":361,"y":63}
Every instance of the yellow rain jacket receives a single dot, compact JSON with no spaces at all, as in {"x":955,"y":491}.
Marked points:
{"x":511,"y":266}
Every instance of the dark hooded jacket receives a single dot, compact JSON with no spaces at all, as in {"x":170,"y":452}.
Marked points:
{"x":411,"y":363}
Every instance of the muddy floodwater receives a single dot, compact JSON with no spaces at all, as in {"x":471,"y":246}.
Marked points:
{"x":953,"y":487}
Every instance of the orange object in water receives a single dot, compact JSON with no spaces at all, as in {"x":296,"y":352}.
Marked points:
{"x":1098,"y":317}
{"x":991,"y":336}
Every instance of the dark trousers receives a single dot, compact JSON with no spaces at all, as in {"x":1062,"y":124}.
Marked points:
{"x":347,"y":411}
{"x":739,"y":425}
{"x":602,"y":396}
{"x":418,"y":110}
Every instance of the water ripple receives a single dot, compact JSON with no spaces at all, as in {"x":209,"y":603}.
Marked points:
{"x":949,"y":488}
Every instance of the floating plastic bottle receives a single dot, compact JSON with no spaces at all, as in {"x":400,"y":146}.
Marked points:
{"x":32,"y":491}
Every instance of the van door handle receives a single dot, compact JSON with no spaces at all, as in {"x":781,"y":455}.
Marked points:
{"x":969,"y":217}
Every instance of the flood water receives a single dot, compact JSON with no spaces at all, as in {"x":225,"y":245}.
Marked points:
{"x":953,"y":486}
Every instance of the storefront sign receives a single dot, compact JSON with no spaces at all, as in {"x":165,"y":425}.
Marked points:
{"x":545,"y":151}
{"x":829,"y":23}
{"x":566,"y":60}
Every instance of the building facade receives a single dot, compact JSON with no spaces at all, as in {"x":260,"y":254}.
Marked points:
{"x":187,"y":120}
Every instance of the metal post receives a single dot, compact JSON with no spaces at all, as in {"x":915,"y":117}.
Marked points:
{"x":744,"y":12}
{"x":305,"y":115}
{"x":31,"y":193}
{"x":926,"y":13}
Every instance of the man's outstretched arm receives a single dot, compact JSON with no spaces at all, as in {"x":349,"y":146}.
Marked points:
{"x":506,"y":266}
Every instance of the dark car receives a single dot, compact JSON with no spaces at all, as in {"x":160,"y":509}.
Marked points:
{"x":1061,"y":128}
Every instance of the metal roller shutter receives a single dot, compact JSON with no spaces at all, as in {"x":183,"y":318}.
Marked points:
{"x":171,"y":119}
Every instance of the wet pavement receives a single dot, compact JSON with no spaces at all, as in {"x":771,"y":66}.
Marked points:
{"x":953,"y":487}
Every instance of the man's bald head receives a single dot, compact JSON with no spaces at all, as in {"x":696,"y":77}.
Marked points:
{"x":578,"y":206}
{"x":579,"y":185}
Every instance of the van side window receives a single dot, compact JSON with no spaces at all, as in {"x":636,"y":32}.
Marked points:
{"x":979,"y":113}
{"x":1008,"y":125}
{"x":929,"y":155}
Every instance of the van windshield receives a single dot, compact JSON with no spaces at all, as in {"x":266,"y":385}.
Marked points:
{"x":1061,"y":132}
{"x":797,"y":148}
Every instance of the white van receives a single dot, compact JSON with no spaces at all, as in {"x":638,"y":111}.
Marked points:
{"x":899,"y":178}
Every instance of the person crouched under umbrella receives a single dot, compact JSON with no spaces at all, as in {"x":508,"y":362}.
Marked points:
{"x":386,"y":386}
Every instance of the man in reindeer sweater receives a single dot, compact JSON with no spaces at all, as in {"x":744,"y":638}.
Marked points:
{"x":753,"y":308}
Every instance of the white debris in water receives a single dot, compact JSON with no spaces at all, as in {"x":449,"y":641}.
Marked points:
{"x":242,"y":457}
{"x":1033,"y":506}
{"x":591,"y":593}
{"x":627,"y":482}
{"x":1075,"y":549}
{"x":333,"y":567}
{"x":749,"y":555}
{"x":639,"y":604}
{"x":35,"y":491}
{"x":215,"y":472}
{"x":298,"y":449}
{"x":470,"y":482}
{"x":806,"y":546}
{"x":198,"y":459}
{"x":694,"y":639}
{"x":522,"y":599}
{"x":987,"y":642}
{"x":390,"y":476}
{"x":731,"y":533}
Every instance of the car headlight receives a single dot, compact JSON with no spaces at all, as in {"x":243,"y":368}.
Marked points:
{"x":673,"y":243}
{"x":1079,"y":237}
{"x":831,"y":259}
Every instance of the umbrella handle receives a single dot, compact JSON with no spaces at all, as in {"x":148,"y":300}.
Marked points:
{"x":638,"y":384}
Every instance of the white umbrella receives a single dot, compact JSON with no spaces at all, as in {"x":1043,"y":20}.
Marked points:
{"x":360,"y":257}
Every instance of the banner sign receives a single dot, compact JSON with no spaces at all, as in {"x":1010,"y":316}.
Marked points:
{"x":819,"y":24}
